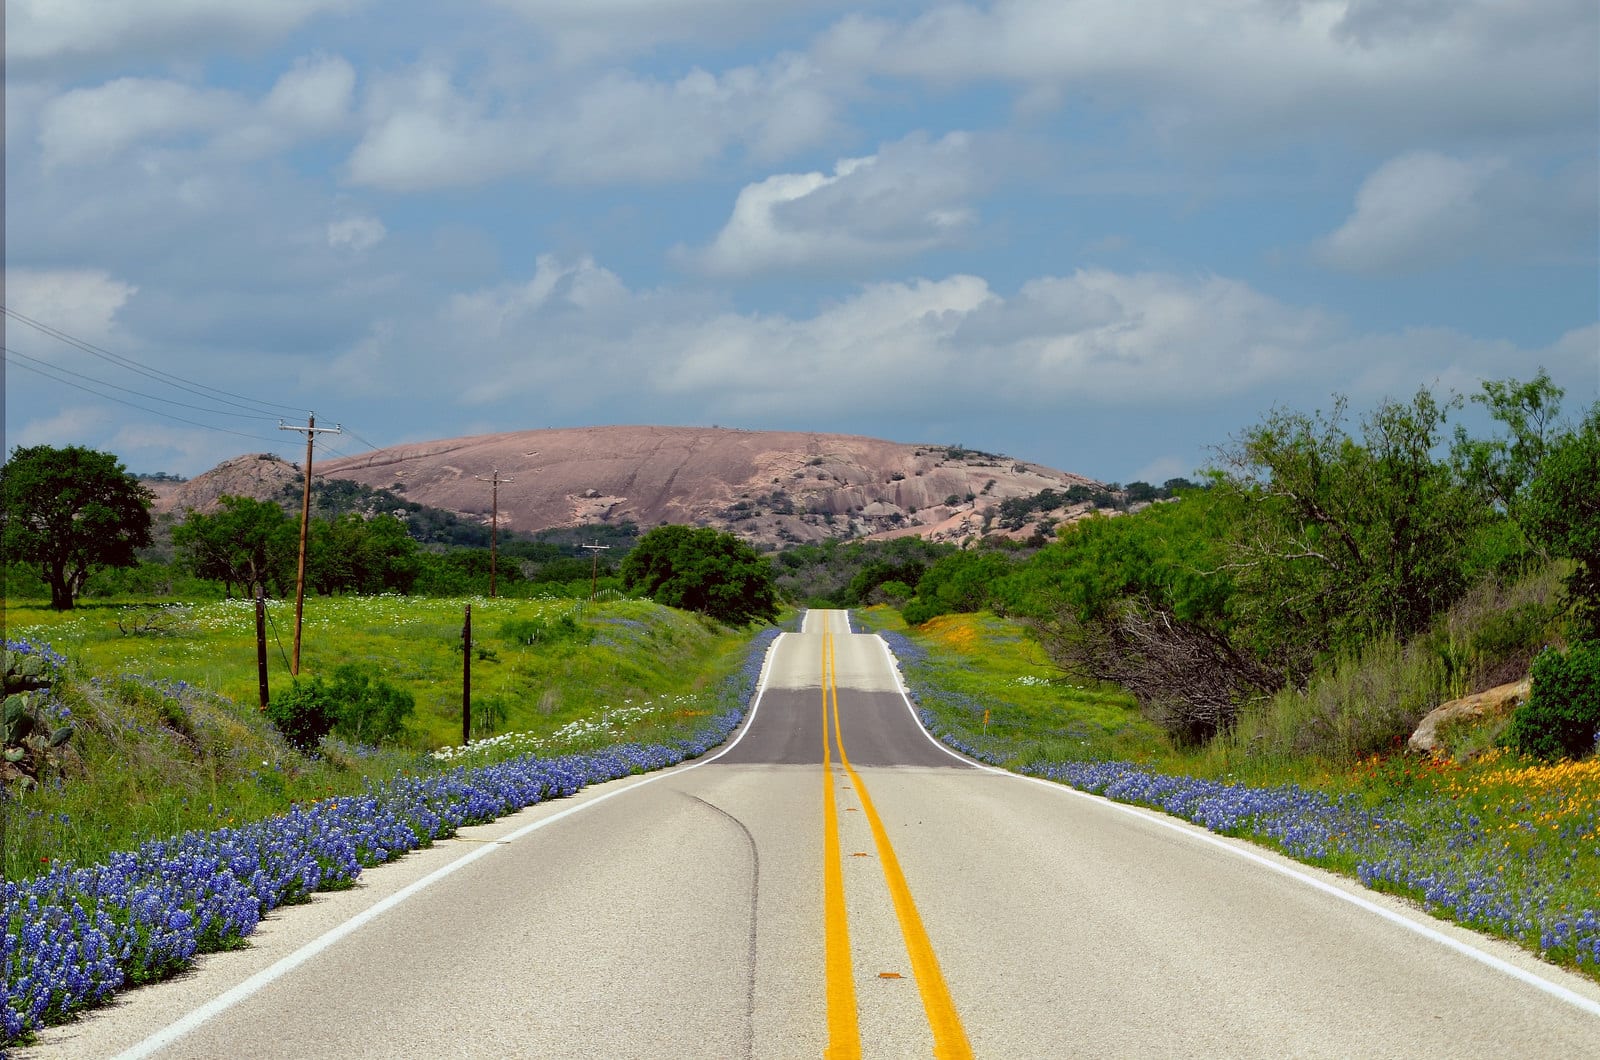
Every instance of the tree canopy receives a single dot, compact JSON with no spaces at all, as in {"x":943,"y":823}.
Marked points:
{"x":247,"y":542}
{"x":704,"y":570}
{"x":70,"y":510}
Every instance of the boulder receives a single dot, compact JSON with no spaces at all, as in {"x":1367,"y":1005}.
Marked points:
{"x":1491,"y":703}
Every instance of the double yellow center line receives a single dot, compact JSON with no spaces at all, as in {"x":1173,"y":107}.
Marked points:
{"x":844,"y":1034}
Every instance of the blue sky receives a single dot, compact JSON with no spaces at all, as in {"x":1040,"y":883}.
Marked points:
{"x":1096,"y":234}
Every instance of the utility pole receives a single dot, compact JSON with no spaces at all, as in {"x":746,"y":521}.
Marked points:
{"x":311,"y":430}
{"x":594,"y":568}
{"x":494,"y":524}
{"x":466,"y":678}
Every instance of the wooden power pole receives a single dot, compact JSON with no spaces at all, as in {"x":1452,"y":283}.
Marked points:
{"x":594,"y":568}
{"x":494,"y":523}
{"x":311,"y":431}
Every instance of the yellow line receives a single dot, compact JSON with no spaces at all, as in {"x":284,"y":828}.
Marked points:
{"x":949,"y":1037}
{"x":844,"y":1033}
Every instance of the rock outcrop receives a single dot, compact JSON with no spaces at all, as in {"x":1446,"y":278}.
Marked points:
{"x":1491,"y":703}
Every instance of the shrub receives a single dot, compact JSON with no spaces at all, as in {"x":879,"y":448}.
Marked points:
{"x":543,"y":630}
{"x":304,"y":714}
{"x":367,"y":707}
{"x":1562,"y":715}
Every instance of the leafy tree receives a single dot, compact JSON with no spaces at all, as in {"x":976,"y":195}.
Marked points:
{"x":704,"y":570}
{"x":959,"y":582}
{"x":356,"y":554}
{"x":1144,"y":601}
{"x":1561,"y":512}
{"x":1342,"y":538}
{"x":249,"y":543}
{"x":70,"y":510}
{"x":1505,"y":466}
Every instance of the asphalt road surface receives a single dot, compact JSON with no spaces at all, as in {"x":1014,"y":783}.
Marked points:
{"x":834,"y":883}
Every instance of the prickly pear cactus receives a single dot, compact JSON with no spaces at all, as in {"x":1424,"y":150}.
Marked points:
{"x":36,"y":729}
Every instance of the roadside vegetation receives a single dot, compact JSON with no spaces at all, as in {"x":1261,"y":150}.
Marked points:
{"x":1255,"y":653}
{"x":178,"y":813}
{"x":1503,"y":843}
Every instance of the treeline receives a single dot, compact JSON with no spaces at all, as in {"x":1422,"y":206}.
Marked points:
{"x":249,"y":545}
{"x":1315,"y":542}
{"x":1014,"y":512}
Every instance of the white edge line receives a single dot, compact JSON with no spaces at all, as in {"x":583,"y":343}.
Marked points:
{"x":222,"y":1002}
{"x":1197,"y":833}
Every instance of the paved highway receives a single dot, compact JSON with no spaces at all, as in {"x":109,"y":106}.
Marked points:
{"x":834,"y":883}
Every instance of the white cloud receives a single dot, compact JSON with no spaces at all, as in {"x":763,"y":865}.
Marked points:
{"x":908,"y":198}
{"x":313,"y":95}
{"x":1380,"y":70}
{"x":91,"y":125}
{"x":1420,"y":207}
{"x":944,"y":344}
{"x":356,"y":233}
{"x":83,"y":302}
{"x":424,"y":132}
{"x":953,"y":350}
{"x":583,"y":30}
{"x":43,"y":33}
{"x":70,"y":425}
{"x":1424,"y":209}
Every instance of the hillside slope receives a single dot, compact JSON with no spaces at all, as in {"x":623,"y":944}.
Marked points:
{"x":769,"y":487}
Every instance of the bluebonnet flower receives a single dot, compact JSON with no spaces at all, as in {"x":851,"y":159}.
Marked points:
{"x":74,"y":936}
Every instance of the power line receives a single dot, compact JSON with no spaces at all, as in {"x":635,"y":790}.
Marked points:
{"x":141,"y":408}
{"x":129,"y":364}
{"x":9,"y":352}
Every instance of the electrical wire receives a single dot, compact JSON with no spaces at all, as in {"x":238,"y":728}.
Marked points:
{"x":9,"y":352}
{"x":142,"y":408}
{"x":127,"y":363}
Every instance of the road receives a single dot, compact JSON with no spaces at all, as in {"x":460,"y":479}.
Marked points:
{"x":834,"y":883}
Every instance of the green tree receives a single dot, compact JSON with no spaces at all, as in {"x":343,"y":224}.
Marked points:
{"x":704,"y":570}
{"x":249,"y":543}
{"x":1145,"y":601}
{"x":1503,"y":467}
{"x":1562,"y":514}
{"x":351,"y":553}
{"x":1340,"y":537}
{"x":70,"y":510}
{"x":961,"y":581}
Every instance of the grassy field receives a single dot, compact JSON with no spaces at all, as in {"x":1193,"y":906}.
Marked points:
{"x":1506,"y":845}
{"x":169,"y":737}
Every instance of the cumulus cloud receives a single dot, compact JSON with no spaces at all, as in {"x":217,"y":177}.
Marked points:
{"x":954,"y":348}
{"x":424,"y":132}
{"x":908,"y":198}
{"x":356,"y":233}
{"x":1424,"y":209}
{"x":1419,"y":208}
{"x":1379,"y":69}
{"x":583,"y":30}
{"x":1093,"y":335}
{"x":91,"y":125}
{"x":84,"y":301}
{"x":56,"y":33}
{"x":314,"y":95}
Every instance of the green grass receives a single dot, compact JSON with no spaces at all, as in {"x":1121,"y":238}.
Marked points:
{"x":1531,"y":826}
{"x":979,"y":663}
{"x":151,"y":758}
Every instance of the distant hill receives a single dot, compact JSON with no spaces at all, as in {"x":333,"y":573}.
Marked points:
{"x":770,"y":487}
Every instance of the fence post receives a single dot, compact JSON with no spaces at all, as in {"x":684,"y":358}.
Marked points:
{"x":466,"y":678}
{"x":261,"y":642}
